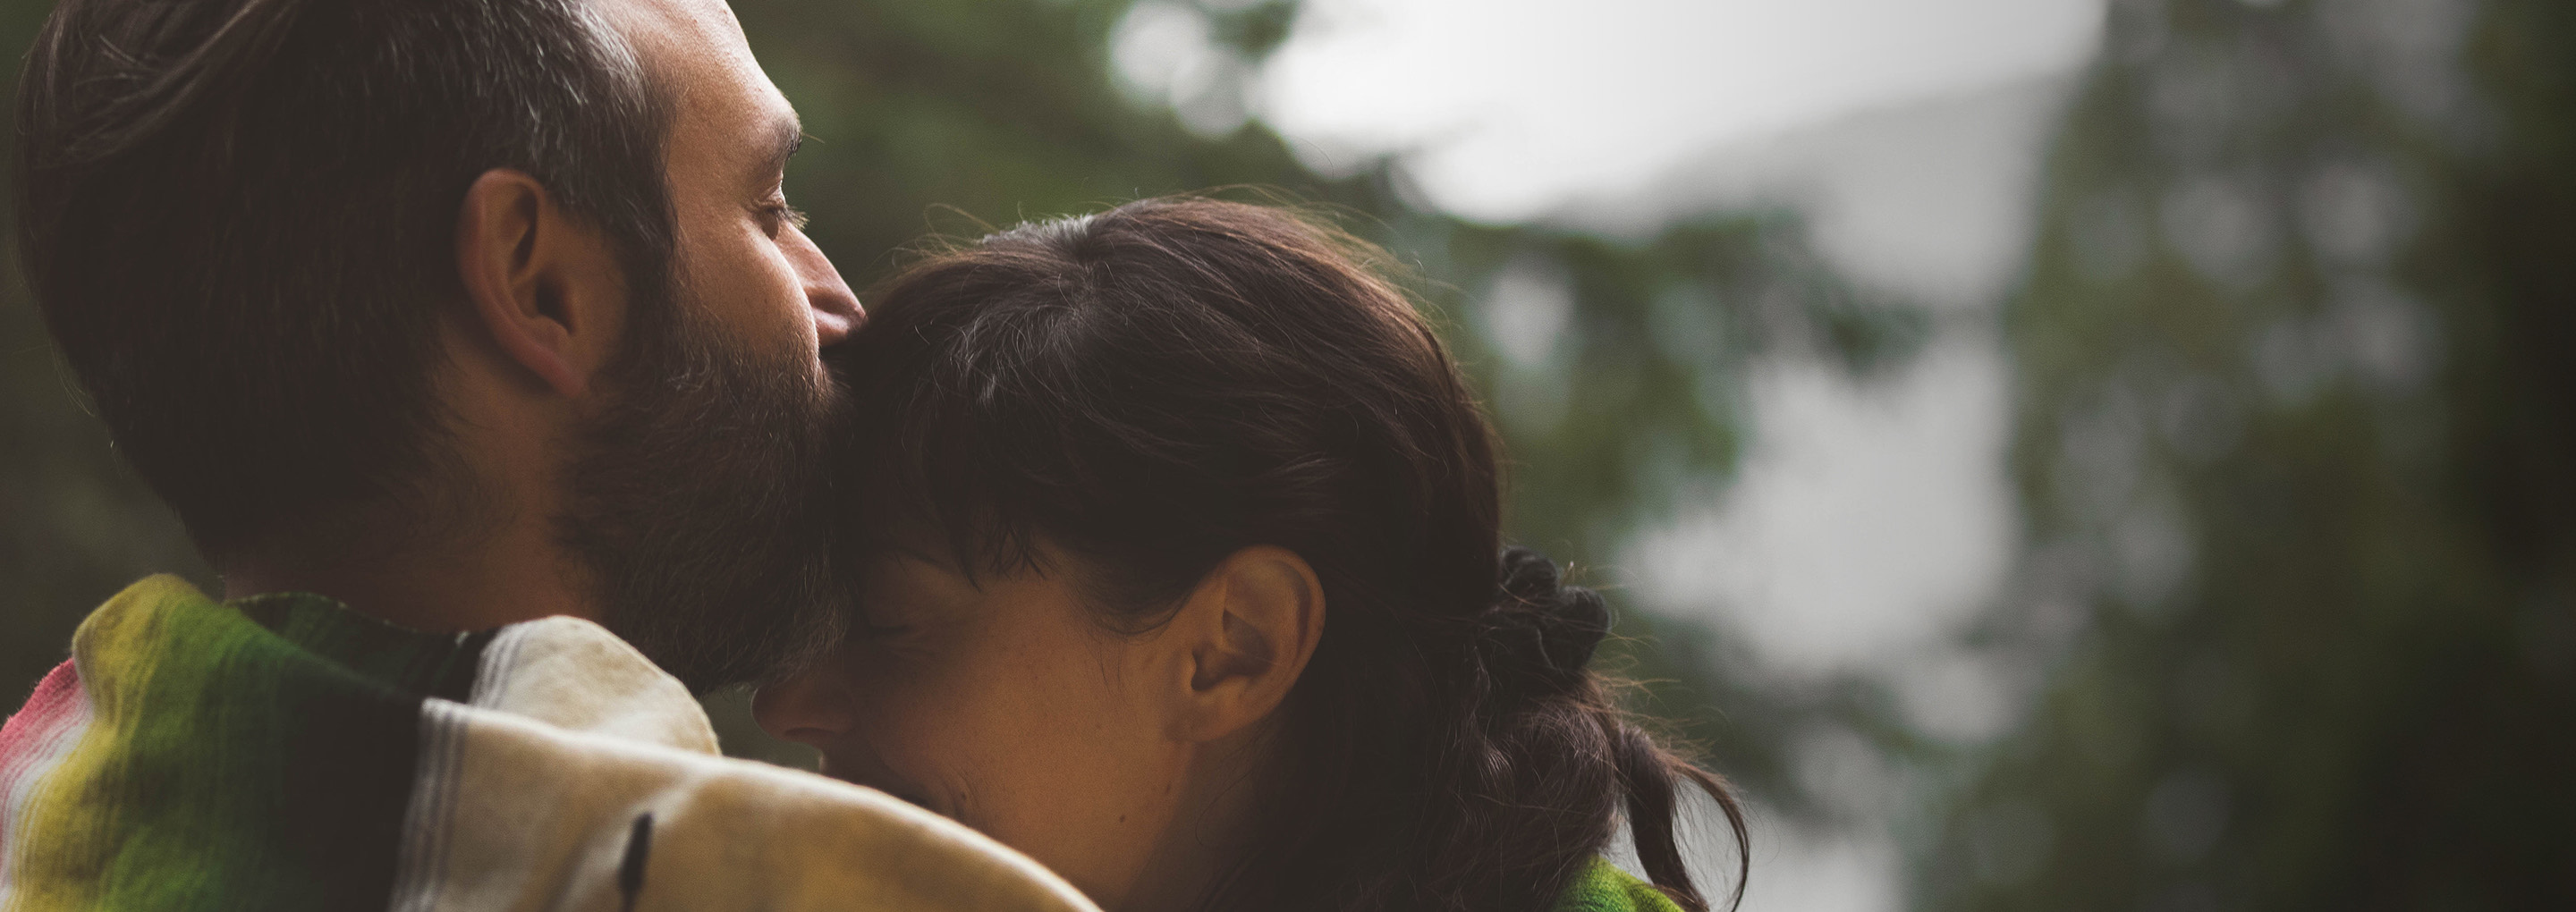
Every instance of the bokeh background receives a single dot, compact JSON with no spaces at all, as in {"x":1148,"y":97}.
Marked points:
{"x":2054,"y":454}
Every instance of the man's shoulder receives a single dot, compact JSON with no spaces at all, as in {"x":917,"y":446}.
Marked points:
{"x":515,"y":809}
{"x":575,"y":675}
{"x":298,"y":759}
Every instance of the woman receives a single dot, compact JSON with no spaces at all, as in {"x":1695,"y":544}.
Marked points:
{"x":1176,"y":533}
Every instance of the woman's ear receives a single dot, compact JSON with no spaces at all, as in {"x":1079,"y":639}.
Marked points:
{"x":542,"y":286}
{"x":1252,"y":624}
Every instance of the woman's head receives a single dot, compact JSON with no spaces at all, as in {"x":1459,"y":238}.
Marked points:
{"x":1178,"y":513}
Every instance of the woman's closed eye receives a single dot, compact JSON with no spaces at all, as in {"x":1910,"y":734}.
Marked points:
{"x":905,"y":596}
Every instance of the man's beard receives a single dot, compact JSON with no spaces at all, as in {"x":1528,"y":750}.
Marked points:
{"x":697,"y":502}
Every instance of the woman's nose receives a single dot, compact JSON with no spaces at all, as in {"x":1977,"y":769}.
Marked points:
{"x":811,"y":708}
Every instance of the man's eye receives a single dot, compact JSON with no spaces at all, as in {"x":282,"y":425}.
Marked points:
{"x":777,"y":216}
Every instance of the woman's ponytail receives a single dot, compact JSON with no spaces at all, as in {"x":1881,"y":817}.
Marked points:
{"x":1546,"y":763}
{"x":1537,"y":639}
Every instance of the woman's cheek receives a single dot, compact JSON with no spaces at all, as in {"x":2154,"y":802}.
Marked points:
{"x":940,"y":731}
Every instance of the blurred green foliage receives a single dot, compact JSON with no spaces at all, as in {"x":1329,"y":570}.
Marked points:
{"x":2294,"y":441}
{"x":75,"y":524}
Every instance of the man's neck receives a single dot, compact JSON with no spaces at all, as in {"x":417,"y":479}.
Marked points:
{"x":512,"y":574}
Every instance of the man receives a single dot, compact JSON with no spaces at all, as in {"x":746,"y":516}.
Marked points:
{"x":453,"y":330}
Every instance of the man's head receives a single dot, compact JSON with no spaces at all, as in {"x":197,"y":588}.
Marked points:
{"x":309,"y":256}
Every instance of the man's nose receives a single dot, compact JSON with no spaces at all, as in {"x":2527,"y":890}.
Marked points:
{"x":811,"y":708}
{"x":836,"y":308}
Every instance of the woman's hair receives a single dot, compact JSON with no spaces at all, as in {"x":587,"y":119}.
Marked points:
{"x":1153,"y":388}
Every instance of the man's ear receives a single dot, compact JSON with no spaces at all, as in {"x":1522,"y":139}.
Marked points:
{"x":541,"y":285}
{"x":1251,"y":626}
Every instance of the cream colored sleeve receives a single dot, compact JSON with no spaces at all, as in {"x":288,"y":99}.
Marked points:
{"x":578,"y":776}
{"x":513,"y":814}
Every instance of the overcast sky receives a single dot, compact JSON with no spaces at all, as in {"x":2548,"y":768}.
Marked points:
{"x":1514,"y":107}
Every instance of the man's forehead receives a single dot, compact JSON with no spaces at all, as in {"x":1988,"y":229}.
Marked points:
{"x":697,"y":45}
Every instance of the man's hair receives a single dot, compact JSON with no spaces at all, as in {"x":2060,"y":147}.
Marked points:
{"x":239,"y":216}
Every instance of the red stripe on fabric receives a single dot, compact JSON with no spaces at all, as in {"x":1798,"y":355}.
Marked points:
{"x":30,"y":737}
{"x":31,"y":728}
